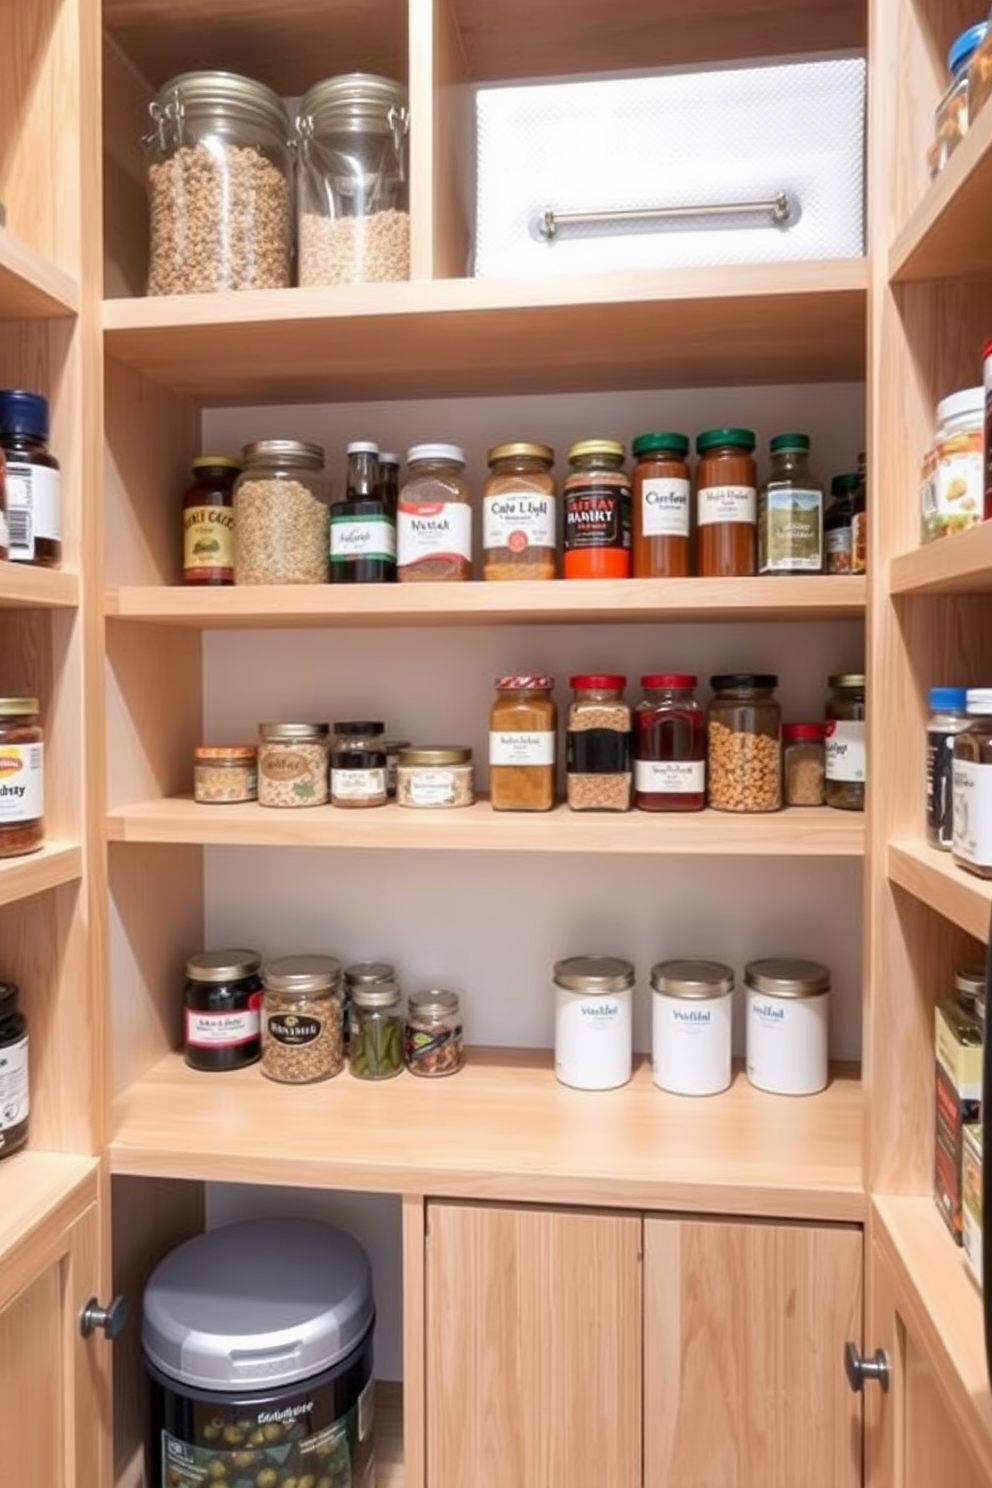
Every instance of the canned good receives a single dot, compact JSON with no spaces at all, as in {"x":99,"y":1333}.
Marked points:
{"x":846,"y":761}
{"x":293,"y":763}
{"x":15,"y":1095}
{"x":222,"y":1004}
{"x":594,"y":1022}
{"x":433,"y":1042}
{"x":302,"y":1019}
{"x":788,"y":1015}
{"x":22,"y":778}
{"x":692,"y":1015}
{"x":225,"y":773}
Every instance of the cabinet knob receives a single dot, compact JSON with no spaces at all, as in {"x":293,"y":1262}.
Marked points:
{"x":861,"y":1371}
{"x":111,"y":1319}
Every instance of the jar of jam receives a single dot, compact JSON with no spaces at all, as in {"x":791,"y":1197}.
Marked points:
{"x":522,"y":736}
{"x":597,"y":512}
{"x":726,"y":504}
{"x":22,"y":778}
{"x":33,"y":480}
{"x":358,"y":765}
{"x":519,"y":513}
{"x":660,"y":498}
{"x":433,"y":1044}
{"x":222,"y":1010}
{"x":208,"y":521}
{"x":669,"y":745}
{"x":15,"y":1098}
{"x":845,"y":748}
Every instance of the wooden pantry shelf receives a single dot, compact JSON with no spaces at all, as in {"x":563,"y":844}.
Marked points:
{"x":504,"y":1128}
{"x":792,"y":833}
{"x":43,"y":1193}
{"x":575,"y":602}
{"x":961,"y":564}
{"x":32,"y":288}
{"x":933,"y":878}
{"x":950,"y":232}
{"x":25,"y":587}
{"x":754,"y":324}
{"x":54,"y":864}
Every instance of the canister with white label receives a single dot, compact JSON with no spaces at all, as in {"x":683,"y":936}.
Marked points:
{"x":691,"y":1021}
{"x":846,"y":766}
{"x":788,"y":1025}
{"x":594,"y":1022}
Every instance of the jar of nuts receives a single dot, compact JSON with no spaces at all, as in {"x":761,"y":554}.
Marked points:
{"x":282,"y":520}
{"x":744,"y":749}
{"x":302,"y":1019}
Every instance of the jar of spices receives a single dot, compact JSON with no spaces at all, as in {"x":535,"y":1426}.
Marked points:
{"x":837,"y":524}
{"x":15,"y":1093}
{"x":358,"y":765}
{"x":225,"y":774}
{"x":744,"y":750}
{"x":434,"y":517}
{"x":788,"y":1025}
{"x":281,"y":520}
{"x":222,"y":1004}
{"x":691,"y":1021}
{"x":790,"y":511}
{"x":952,"y":484}
{"x":302,"y":1019}
{"x":519,"y":513}
{"x":669,"y":745}
{"x":846,"y":763}
{"x":594,"y":1022}
{"x":376,"y":1042}
{"x":948,"y":718}
{"x":437,"y":776}
{"x":972,"y":840}
{"x":363,"y":526}
{"x":22,"y":777}
{"x":660,"y":499}
{"x":522,"y":737}
{"x":597,"y":512}
{"x":726,"y":504}
{"x":33,"y":481}
{"x":598,"y":764}
{"x":293,"y":761}
{"x":803,"y":764}
{"x":859,"y":521}
{"x":433,"y":1042}
{"x":208,"y":521}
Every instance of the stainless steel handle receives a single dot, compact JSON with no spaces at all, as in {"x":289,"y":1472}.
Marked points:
{"x":781,"y":209}
{"x":112,"y":1319}
{"x":861,"y":1371}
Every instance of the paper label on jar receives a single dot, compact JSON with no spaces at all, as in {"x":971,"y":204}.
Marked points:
{"x":845,"y":750}
{"x":664,"y":507}
{"x":433,"y":529}
{"x":670,"y":777}
{"x":792,"y":532}
{"x":22,"y":783}
{"x":525,"y":748}
{"x":954,"y":497}
{"x":208,"y":543}
{"x":33,"y":508}
{"x":973,"y":812}
{"x":725,"y":504}
{"x":353,"y":538}
{"x":223,"y":1030}
{"x":837,"y":547}
{"x":431,"y":788}
{"x":14,"y":1103}
{"x":357,"y":785}
{"x":519,"y":520}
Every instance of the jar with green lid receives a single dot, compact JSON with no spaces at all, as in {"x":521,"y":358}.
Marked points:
{"x":282,"y":520}
{"x":302,"y":1019}
{"x":597,"y":506}
{"x":790,"y":511}
{"x":661,"y":506}
{"x":838,"y":529}
{"x":352,"y":181}
{"x":208,"y":521}
{"x":972,"y":786}
{"x":846,"y":762}
{"x":726,"y":504}
{"x":219,"y":186}
{"x":376,"y":1030}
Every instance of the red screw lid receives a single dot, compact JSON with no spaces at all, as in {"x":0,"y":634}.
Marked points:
{"x":524,"y":684}
{"x":598,"y":680}
{"x":669,"y":679}
{"x":802,"y":731}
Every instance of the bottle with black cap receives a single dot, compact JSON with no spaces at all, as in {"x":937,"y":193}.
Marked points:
{"x":34,"y":500}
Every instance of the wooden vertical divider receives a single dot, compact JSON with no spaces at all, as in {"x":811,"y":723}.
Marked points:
{"x":441,"y":143}
{"x":414,"y":1346}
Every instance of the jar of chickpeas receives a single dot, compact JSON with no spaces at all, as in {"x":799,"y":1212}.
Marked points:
{"x":744,"y":743}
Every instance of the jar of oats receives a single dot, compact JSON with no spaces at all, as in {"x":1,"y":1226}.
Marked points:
{"x":302,"y":1019}
{"x":293,"y":764}
{"x":282,"y":520}
{"x":744,"y":748}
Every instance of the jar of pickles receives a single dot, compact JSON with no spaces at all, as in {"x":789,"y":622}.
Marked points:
{"x":845,"y":742}
{"x":433,"y":1044}
{"x":376,"y":1031}
{"x":222,"y":1002}
{"x":744,"y":748}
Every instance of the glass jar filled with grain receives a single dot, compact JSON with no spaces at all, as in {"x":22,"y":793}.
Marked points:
{"x":281,"y":516}
{"x":519,"y":513}
{"x":598,"y":768}
{"x":522,"y":736}
{"x":293,"y":764}
{"x":302,"y":1019}
{"x":434,"y":517}
{"x":744,"y":748}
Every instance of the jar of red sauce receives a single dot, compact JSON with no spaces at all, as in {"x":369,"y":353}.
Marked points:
{"x":660,"y":492}
{"x":208,"y":521}
{"x":726,"y":504}
{"x":669,"y":745}
{"x":597,"y":512}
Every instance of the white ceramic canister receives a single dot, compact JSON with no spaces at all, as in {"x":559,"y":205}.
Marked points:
{"x":788,"y":1025}
{"x":594,"y":1022}
{"x":691,"y":1026}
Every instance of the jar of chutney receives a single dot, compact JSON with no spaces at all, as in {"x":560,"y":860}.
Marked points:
{"x":597,"y":512}
{"x":726,"y":504}
{"x":222,"y":1004}
{"x":208,"y":521}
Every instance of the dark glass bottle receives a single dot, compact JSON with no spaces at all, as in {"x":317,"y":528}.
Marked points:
{"x":33,"y":482}
{"x":14,"y":1105}
{"x":838,"y":523}
{"x":363,"y":527}
{"x":389,"y":480}
{"x":208,"y":521}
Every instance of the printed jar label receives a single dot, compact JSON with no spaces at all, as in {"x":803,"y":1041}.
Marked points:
{"x":940,"y":785}
{"x":536,"y":748}
{"x":725,"y":504}
{"x":793,"y":532}
{"x":597,"y":752}
{"x":282,"y":764}
{"x":973,"y":812}
{"x":845,"y":750}
{"x":357,"y":785}
{"x":670,"y":777}
{"x":288,"y":1029}
{"x":859,"y":542}
{"x":22,"y":783}
{"x":433,"y":529}
{"x":353,"y":538}
{"x":33,"y":508}
{"x":519,"y":521}
{"x":665,"y":507}
{"x":432,"y":788}
{"x":224,"y":1030}
{"x":597,"y":517}
{"x":13,"y":1085}
{"x":208,"y":543}
{"x":837,"y":547}
{"x":952,"y":493}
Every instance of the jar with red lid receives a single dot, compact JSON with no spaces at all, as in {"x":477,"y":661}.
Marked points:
{"x":597,"y":512}
{"x":803,"y":763}
{"x":660,"y":500}
{"x":208,"y":521}
{"x":726,"y":504}
{"x":669,"y":745}
{"x":598,"y":773}
{"x":522,"y":735}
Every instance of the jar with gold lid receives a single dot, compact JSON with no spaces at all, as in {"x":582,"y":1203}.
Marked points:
{"x":846,"y":767}
{"x":519,"y":513}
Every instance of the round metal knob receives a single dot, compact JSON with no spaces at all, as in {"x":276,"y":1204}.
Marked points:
{"x":861,"y":1371}
{"x":111,"y":1319}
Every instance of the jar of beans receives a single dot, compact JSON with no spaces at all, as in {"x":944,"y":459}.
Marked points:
{"x":293,"y":764}
{"x":433,"y":1044}
{"x":282,"y":520}
{"x":302,"y":1019}
{"x":598,"y":770}
{"x":744,"y":749}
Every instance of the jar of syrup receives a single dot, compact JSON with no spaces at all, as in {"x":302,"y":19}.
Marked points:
{"x":660,"y":498}
{"x":208,"y":521}
{"x":669,"y":745}
{"x":726,"y":504}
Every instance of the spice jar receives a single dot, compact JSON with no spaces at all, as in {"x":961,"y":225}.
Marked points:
{"x":837,"y":524}
{"x":434,"y":517}
{"x":790,"y":511}
{"x":281,"y":521}
{"x":358,"y":765}
{"x":845,"y":747}
{"x":208,"y":521}
{"x":691,"y":1021}
{"x":302,"y":1019}
{"x":435,"y":777}
{"x":33,"y":482}
{"x":219,"y":186}
{"x":293,"y":763}
{"x":660,"y":501}
{"x":433,"y":1042}
{"x":363,"y":526}
{"x":22,"y":778}
{"x":597,"y":512}
{"x":351,"y":181}
{"x":972,"y":840}
{"x":522,"y":736}
{"x":948,"y":718}
{"x":598,"y":763}
{"x":224,"y":774}
{"x":726,"y":504}
{"x":744,"y":751}
{"x":669,"y":745}
{"x":376,"y":1031}
{"x":788,"y":1025}
{"x":803,"y":764}
{"x":593,"y":1022}
{"x":519,"y":513}
{"x":222,"y":1004}
{"x":952,"y":482}
{"x":15,"y":1093}
{"x":953,"y":112}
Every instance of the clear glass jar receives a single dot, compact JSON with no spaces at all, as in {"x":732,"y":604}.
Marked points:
{"x":597,"y":505}
{"x":302,"y":1019}
{"x":598,"y":765}
{"x":661,"y":506}
{"x":14,"y":1084}
{"x":523,"y":724}
{"x":358,"y":765}
{"x":219,"y":186}
{"x":953,"y":112}
{"x":972,"y":788}
{"x":22,"y":755}
{"x":952,"y":484}
{"x":519,"y":513}
{"x":434,"y":517}
{"x":803,"y":764}
{"x":837,"y":524}
{"x":225,"y":774}
{"x":435,"y":777}
{"x":846,"y":765}
{"x":790,"y":511}
{"x":948,"y":718}
{"x":208,"y":521}
{"x":293,"y":764}
{"x":222,"y":1003}
{"x":433,"y":1043}
{"x":364,"y":974}
{"x":281,"y":516}
{"x":376,"y":1031}
{"x":726,"y":504}
{"x":351,"y":179}
{"x":32,"y":480}
{"x":744,"y":743}
{"x":669,"y":745}
{"x":980,"y":77}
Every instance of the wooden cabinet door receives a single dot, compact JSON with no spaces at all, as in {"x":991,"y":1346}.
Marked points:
{"x":745,"y":1326}
{"x":533,"y":1347}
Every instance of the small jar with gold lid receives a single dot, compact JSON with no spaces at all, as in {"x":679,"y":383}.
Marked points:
{"x":519,"y":513}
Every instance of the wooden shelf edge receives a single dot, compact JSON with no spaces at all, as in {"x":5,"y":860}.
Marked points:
{"x":55,"y":864}
{"x":952,"y":565}
{"x":43,"y":1192}
{"x":940,"y":237}
{"x":24,"y":587}
{"x":934,"y":879}
{"x":31,"y":287}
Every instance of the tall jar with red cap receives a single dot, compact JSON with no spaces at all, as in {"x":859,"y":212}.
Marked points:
{"x":522,"y":735}
{"x":669,"y":745}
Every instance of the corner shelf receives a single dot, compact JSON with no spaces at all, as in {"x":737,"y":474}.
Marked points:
{"x":933,"y":878}
{"x":32,"y":288}
{"x":55,"y":864}
{"x":950,"y":231}
{"x":961,"y":564}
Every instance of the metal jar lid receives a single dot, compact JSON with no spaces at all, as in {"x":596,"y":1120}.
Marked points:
{"x":594,"y":974}
{"x":450,"y":453}
{"x":692,"y":980}
{"x":221,"y":96}
{"x":523,"y":450}
{"x":436,"y":755}
{"x":787,"y":978}
{"x":433,"y":1004}
{"x":300,"y":975}
{"x":359,"y":101}
{"x":970,"y":981}
{"x":375,"y":995}
{"x":293,"y":732}
{"x":367,"y":973}
{"x":222,"y":966}
{"x":17,"y":707}
{"x":848,"y":681}
{"x":611,"y":449}
{"x":294,"y":454}
{"x":215,"y":462}
{"x":242,"y":754}
{"x":258,"y":1304}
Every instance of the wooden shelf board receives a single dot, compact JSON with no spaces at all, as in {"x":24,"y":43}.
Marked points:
{"x":42,"y":1192}
{"x":24,"y":587}
{"x":933,"y":878}
{"x":791,"y":833}
{"x":55,"y":864}
{"x":961,"y":564}
{"x":756,"y":324}
{"x":31,"y":288}
{"x":950,"y":232}
{"x":575,"y":602}
{"x":503,"y":1128}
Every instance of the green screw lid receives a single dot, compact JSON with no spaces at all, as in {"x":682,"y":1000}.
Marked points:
{"x":646,"y":444}
{"x":845,"y":484}
{"x":714,"y":438}
{"x":788,"y":442}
